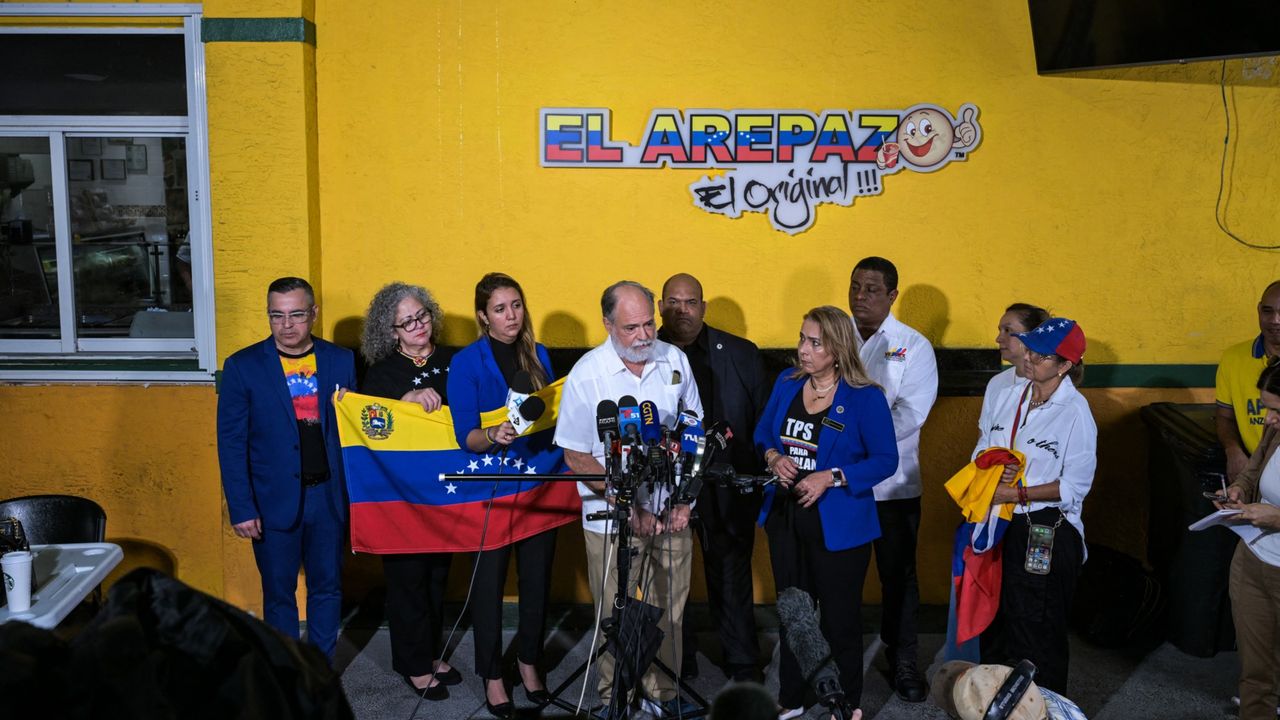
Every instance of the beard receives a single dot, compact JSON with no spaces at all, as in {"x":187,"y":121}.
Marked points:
{"x":641,"y":351}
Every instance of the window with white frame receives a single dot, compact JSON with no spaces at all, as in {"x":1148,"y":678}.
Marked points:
{"x":104,"y":249}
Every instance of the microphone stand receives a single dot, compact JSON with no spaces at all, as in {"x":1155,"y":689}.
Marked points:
{"x":620,"y":513}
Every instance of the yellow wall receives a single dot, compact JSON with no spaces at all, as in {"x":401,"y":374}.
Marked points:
{"x":147,"y":455}
{"x":404,"y":146}
{"x":1092,"y":194}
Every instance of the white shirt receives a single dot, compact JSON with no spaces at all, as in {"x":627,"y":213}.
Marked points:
{"x":998,"y":384}
{"x":667,"y":380}
{"x":1267,"y":545}
{"x":1059,"y":440}
{"x":901,"y":361}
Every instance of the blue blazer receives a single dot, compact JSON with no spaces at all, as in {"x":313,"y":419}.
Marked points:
{"x":862,"y":444}
{"x":476,"y":385}
{"x":258,"y":433}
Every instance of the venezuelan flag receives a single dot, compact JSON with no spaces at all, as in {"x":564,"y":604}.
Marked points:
{"x":394,"y":453}
{"x":976,"y":561}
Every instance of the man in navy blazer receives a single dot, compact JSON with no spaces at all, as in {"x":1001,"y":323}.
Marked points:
{"x":734,"y":389}
{"x":281,"y":464}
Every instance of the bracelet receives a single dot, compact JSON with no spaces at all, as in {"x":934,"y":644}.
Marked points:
{"x":1022,"y":494}
{"x":489,"y":437}
{"x":769,"y":462}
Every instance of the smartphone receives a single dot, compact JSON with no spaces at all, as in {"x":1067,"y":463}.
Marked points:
{"x":1039,"y":550}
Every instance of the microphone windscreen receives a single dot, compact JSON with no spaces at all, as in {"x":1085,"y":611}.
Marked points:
{"x":532,"y":408}
{"x":629,"y":416}
{"x":522,"y":382}
{"x":690,"y":434}
{"x":650,"y":429}
{"x":606,"y":419}
{"x":803,"y":637}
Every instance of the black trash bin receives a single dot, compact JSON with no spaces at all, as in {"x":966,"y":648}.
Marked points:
{"x":1184,"y":460}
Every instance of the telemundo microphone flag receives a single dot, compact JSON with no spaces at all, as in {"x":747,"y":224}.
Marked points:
{"x":395,"y":453}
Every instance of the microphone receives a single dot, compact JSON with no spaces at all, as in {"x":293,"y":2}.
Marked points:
{"x":629,"y":418}
{"x":650,"y":428}
{"x":810,"y":648}
{"x":690,"y":432}
{"x":520,"y":393}
{"x":607,"y":422}
{"x":628,"y":428}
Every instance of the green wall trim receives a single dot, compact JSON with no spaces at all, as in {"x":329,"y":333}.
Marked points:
{"x":1149,"y":376}
{"x":286,"y":29}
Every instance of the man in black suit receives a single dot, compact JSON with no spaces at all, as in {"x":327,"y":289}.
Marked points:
{"x":731,"y":380}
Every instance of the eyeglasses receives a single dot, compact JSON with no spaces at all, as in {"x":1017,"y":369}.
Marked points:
{"x":415,"y":322}
{"x":1036,"y":358}
{"x":296,"y":317}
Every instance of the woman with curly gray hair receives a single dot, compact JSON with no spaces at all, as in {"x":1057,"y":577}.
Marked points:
{"x":401,"y":328}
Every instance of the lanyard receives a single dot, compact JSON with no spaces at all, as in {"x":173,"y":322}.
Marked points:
{"x":1017,"y":417}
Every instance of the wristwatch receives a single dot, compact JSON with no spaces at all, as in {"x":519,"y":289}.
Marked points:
{"x":837,"y":478}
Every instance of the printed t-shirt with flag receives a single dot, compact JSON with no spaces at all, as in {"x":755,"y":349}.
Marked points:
{"x":304,"y":392}
{"x":395,"y":454}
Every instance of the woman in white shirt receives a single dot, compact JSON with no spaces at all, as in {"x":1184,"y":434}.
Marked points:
{"x":1255,"y":569}
{"x":1049,"y":422}
{"x":1017,"y":318}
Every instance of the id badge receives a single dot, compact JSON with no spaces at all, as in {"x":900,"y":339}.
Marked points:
{"x":1039,"y":549}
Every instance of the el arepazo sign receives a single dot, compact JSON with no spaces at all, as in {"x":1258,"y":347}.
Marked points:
{"x":780,"y":162}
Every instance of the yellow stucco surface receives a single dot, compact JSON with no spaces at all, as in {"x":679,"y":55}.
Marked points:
{"x":147,"y":455}
{"x":1092,"y":194}
{"x":404,"y":146}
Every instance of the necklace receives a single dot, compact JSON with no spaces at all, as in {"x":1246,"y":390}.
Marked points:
{"x":821,"y":392}
{"x":418,"y":360}
{"x":1036,"y":403}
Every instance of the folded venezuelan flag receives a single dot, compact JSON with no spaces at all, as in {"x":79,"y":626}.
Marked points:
{"x":394,"y":454}
{"x":976,"y":563}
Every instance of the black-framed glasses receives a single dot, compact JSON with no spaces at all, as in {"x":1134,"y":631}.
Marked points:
{"x":297,"y":316}
{"x":415,"y":322}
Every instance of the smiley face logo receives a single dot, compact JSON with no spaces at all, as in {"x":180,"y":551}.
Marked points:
{"x":926,"y":136}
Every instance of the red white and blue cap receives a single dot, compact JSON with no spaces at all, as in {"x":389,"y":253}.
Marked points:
{"x":1056,"y":336}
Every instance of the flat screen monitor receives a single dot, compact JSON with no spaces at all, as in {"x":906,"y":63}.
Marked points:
{"x":1086,"y":34}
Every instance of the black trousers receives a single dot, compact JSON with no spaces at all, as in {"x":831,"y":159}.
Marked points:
{"x":415,"y":609}
{"x":834,"y":579}
{"x":1034,"y":609}
{"x":896,"y":564}
{"x":534,"y":558}
{"x":726,"y":528}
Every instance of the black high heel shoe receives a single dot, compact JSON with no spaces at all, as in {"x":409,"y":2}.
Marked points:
{"x":503,"y":710}
{"x":449,"y":677}
{"x":435,"y":692}
{"x":541,"y":698}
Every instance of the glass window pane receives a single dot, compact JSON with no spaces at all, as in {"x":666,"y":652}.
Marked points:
{"x":93,"y":75}
{"x":28,"y":266}
{"x":129,"y":226}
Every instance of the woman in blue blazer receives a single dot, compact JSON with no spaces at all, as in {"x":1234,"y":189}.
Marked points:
{"x":827,"y":435}
{"x":479,"y":378}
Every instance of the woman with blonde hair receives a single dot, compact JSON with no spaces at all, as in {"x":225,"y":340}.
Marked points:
{"x":827,"y":435}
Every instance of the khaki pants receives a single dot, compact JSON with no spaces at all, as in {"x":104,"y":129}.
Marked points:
{"x":1255,"y":606}
{"x":664,"y":563}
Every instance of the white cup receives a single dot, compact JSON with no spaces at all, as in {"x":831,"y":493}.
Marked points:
{"x":17,"y":580}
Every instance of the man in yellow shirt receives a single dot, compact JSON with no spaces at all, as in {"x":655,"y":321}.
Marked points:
{"x":1240,"y":411}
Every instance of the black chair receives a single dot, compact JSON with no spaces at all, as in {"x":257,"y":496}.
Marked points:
{"x":49,"y":519}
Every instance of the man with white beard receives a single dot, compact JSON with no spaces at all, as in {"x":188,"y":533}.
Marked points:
{"x":632,"y":361}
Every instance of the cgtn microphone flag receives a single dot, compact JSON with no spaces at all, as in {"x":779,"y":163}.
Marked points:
{"x":395,"y":452}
